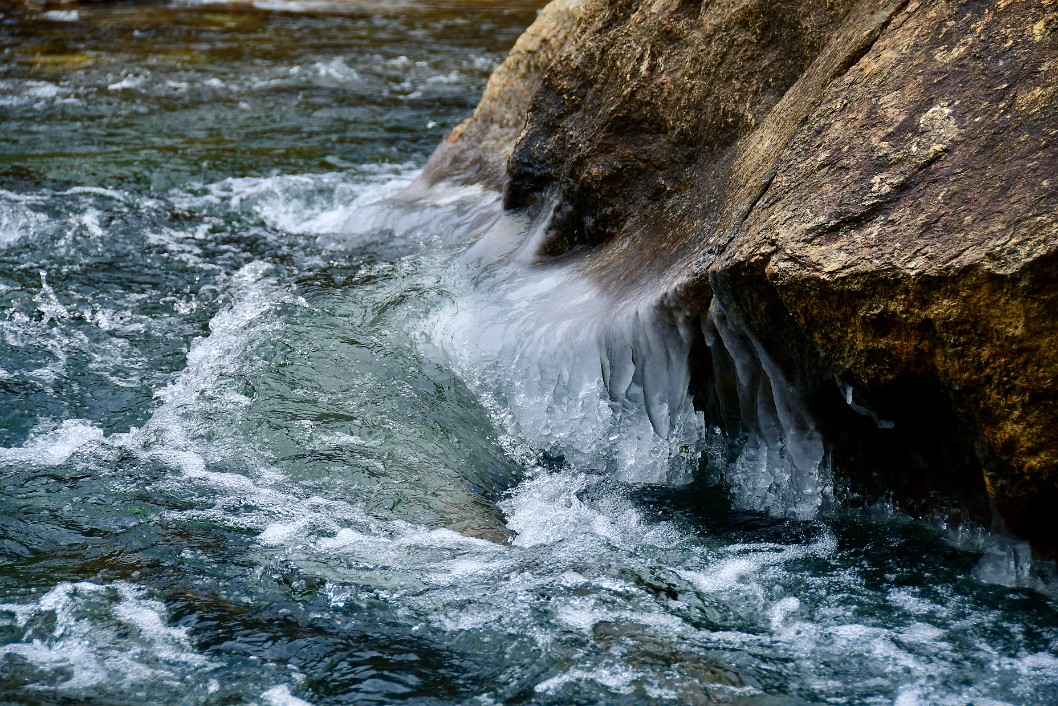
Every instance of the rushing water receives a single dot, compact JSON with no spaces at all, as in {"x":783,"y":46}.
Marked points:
{"x":269,"y":435}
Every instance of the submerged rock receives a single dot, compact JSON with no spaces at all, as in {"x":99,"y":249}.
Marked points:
{"x":865,"y":192}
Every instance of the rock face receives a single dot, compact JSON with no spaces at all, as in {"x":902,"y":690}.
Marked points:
{"x":865,"y":191}
{"x":477,"y":149}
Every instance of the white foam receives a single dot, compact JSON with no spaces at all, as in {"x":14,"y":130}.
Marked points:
{"x":738,"y":568}
{"x":47,"y":303}
{"x":300,"y":6}
{"x":55,"y":446}
{"x":281,"y":696}
{"x":129,"y":81}
{"x":61,"y":15}
{"x":547,"y":509}
{"x":308,"y":204}
{"x":91,"y":635}
{"x":17,"y":220}
{"x":912,"y":603}
{"x":617,"y":680}
{"x":218,"y":352}
{"x":41,"y":89}
{"x":34,"y":94}
{"x":334,"y":72}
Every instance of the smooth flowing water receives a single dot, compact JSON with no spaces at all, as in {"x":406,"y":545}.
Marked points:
{"x":271,"y":434}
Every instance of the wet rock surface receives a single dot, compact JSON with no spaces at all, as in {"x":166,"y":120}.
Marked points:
{"x":867,"y":189}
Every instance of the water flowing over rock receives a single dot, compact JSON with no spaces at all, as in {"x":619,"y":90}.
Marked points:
{"x":853,"y":200}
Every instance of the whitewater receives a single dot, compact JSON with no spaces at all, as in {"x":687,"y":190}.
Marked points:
{"x":272,"y":432}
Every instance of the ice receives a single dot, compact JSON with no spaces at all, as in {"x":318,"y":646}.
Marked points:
{"x":597,"y":382}
{"x":602,"y":382}
{"x":782,"y":466}
{"x":1007,"y":562}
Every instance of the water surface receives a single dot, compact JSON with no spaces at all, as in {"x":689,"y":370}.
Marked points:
{"x":268,"y":436}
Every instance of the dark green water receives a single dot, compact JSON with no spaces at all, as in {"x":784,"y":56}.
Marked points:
{"x":269,"y":436}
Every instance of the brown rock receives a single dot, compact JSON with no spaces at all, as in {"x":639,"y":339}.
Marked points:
{"x":910,"y":231}
{"x":477,"y":149}
{"x":868,"y":189}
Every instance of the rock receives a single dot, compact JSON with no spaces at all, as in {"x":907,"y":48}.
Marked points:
{"x":909,"y":237}
{"x":477,"y":149}
{"x":866,"y":191}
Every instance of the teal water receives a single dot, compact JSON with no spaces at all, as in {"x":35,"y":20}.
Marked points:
{"x":270,"y":434}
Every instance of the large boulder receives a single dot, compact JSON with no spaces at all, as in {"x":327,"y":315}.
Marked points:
{"x":907,"y":246}
{"x":863,"y":193}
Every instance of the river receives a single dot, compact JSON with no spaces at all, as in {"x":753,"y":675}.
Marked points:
{"x":271,"y":434}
